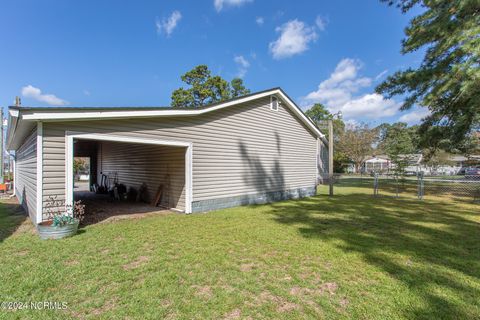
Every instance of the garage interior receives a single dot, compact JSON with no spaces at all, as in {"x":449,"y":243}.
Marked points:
{"x":129,"y":178}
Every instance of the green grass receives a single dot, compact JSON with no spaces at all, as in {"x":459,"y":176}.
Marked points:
{"x":350,"y":256}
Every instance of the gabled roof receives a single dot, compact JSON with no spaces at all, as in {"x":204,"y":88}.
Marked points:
{"x":22,"y":119}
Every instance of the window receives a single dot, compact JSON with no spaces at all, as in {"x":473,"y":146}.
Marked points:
{"x":274,"y":103}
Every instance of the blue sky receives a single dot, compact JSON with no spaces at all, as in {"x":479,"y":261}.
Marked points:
{"x":132,"y":53}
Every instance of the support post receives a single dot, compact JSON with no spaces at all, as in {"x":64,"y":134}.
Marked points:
{"x":330,"y":156}
{"x":420,"y":185}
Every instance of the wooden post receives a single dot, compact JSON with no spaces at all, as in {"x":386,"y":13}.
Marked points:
{"x":330,"y":156}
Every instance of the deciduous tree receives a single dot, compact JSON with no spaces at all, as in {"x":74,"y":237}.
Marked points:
{"x":397,"y":138}
{"x":399,"y":142}
{"x":357,"y":142}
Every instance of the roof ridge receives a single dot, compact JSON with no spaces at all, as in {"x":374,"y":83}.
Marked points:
{"x":140,"y":107}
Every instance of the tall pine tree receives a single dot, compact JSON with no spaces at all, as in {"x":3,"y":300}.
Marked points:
{"x":448,"y":80}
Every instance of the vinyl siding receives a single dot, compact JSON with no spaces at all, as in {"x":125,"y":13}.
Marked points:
{"x":243,"y":149}
{"x":26,"y":174}
{"x":150,"y":164}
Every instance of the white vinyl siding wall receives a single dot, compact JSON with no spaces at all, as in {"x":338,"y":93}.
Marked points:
{"x":26,"y":174}
{"x":243,"y":149}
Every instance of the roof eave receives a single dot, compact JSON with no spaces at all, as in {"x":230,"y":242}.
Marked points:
{"x":33,"y":115}
{"x":11,"y":127}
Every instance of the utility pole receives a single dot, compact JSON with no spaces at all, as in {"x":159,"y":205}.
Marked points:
{"x":330,"y":156}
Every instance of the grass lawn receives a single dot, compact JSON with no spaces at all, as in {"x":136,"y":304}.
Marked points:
{"x":351,"y":256}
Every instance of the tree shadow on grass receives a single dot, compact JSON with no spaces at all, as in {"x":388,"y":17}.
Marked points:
{"x":437,"y":236}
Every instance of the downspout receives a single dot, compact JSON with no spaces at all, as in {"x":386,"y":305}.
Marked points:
{"x":14,"y":183}
{"x":13,"y":116}
{"x":39,"y":172}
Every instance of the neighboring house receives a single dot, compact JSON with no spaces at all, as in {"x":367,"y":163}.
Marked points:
{"x":253,"y":149}
{"x":413,"y":162}
{"x":383,"y":164}
{"x":451,"y":165}
{"x":379,"y":163}
{"x":416,"y":163}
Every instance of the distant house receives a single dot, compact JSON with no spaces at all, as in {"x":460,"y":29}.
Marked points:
{"x":379,"y":163}
{"x":253,"y":149}
{"x":452,"y":165}
{"x":383,"y":163}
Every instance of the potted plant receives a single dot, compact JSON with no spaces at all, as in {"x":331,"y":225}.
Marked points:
{"x":63,"y":220}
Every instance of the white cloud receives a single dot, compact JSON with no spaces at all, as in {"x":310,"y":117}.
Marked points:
{"x":35,"y":93}
{"x":167,"y":25}
{"x":220,"y":4}
{"x":294,"y":39}
{"x":415,"y":117}
{"x":321,"y":23}
{"x":372,"y":105}
{"x":338,"y":94}
{"x":86,"y":92}
{"x":240,"y":60}
{"x":242,"y":64}
{"x":260,"y":21}
{"x":338,"y":89}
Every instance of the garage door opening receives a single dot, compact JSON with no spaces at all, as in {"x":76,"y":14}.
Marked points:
{"x":128,"y":177}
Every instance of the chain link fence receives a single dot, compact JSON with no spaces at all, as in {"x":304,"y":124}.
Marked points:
{"x":460,"y":187}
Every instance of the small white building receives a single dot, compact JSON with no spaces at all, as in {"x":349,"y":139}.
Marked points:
{"x":377,"y":164}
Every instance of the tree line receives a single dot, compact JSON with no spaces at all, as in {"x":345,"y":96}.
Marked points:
{"x":354,"y":144}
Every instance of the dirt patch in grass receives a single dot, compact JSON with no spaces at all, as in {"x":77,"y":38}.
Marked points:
{"x":282,"y":304}
{"x":227,"y":288}
{"x":203,"y":291}
{"x":22,"y":253}
{"x":269,"y":255}
{"x":72,"y":262}
{"x":297,"y":291}
{"x":107,"y":306}
{"x":234,"y":314}
{"x":344,"y":302}
{"x":329,"y":287}
{"x":287,"y":307}
{"x":246,"y":267}
{"x":286,"y":278}
{"x":136,"y":263}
